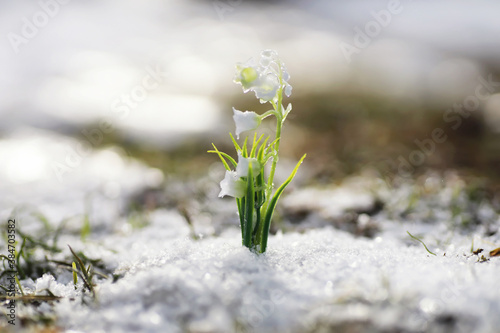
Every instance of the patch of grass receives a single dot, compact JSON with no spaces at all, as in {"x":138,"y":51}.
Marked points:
{"x":418,"y":239}
{"x":86,"y":273}
{"x":28,"y":264}
{"x":412,"y":201}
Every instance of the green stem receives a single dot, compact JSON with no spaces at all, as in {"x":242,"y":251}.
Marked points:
{"x":270,"y":182}
{"x":278,"y":112}
{"x":255,"y":235}
{"x":279,"y":123}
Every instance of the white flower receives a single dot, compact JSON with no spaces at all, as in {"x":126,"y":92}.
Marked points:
{"x":232,"y":185}
{"x":267,"y":88}
{"x":243,"y":165}
{"x":268,"y":53}
{"x":272,"y":63}
{"x":247,"y":75}
{"x":261,"y":79}
{"x":268,"y":57}
{"x":245,"y":121}
{"x":286,"y":76}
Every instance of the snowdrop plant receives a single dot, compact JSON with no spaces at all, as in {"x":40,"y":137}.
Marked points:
{"x":245,"y":179}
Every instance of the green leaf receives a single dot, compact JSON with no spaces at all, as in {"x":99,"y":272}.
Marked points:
{"x":418,"y":239}
{"x":271,"y":145}
{"x":86,"y":229}
{"x":236,"y":145}
{"x":240,"y":202}
{"x":19,"y":285}
{"x":232,"y":160}
{"x":260,"y":197}
{"x":249,"y":207}
{"x":87,"y":280}
{"x":75,"y":274}
{"x":21,"y":253}
{"x":260,"y":153}
{"x":221,"y":154}
{"x":260,"y":185}
{"x":287,"y":110}
{"x":272,"y":206}
{"x":255,"y":144}
{"x":244,"y":151}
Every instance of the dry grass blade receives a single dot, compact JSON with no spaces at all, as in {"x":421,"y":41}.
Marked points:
{"x":495,"y":252}
{"x":31,"y":298}
{"x":87,"y":280}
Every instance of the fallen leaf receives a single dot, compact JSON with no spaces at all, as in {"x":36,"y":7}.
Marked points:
{"x":495,"y":252}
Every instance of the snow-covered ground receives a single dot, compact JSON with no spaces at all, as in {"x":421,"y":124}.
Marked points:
{"x":321,"y":278}
{"x":320,"y":272}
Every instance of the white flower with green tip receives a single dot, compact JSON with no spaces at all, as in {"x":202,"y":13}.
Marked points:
{"x":267,"y":88}
{"x":244,"y":163}
{"x":264,"y":79}
{"x":247,"y":74}
{"x":232,"y":185}
{"x":245,"y":121}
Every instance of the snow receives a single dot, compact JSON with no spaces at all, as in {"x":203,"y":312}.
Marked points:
{"x":318,"y":273}
{"x":324,"y":275}
{"x":329,"y":203}
{"x":46,"y":171}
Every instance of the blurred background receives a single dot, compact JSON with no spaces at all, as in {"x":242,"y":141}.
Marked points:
{"x":114,"y":95}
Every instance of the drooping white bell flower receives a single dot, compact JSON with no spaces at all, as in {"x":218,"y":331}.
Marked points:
{"x":286,"y":76}
{"x":243,"y":165}
{"x":232,"y":185}
{"x":267,"y":88}
{"x":247,"y":74}
{"x":245,"y":121}
{"x":261,"y":79}
{"x":268,"y":56}
{"x":288,"y":90}
{"x":272,"y":64}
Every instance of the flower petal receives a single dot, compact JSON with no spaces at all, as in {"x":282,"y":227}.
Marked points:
{"x":232,"y":185}
{"x":267,"y":88}
{"x":265,"y":78}
{"x":245,"y":121}
{"x":247,"y":74}
{"x":243,"y":165}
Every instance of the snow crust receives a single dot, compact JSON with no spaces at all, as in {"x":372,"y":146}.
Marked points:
{"x":172,"y":277}
{"x":321,"y":277}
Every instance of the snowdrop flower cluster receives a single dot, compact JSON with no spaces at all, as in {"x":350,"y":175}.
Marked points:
{"x":245,"y":179}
